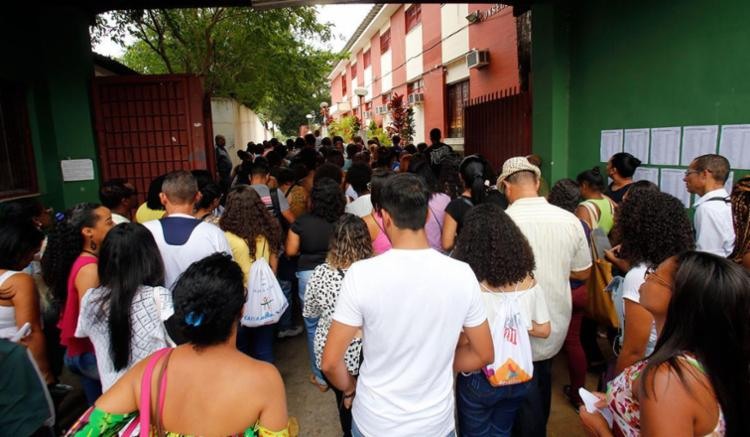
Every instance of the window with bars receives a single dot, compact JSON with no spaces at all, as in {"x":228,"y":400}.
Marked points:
{"x":366,"y":59}
{"x":458,"y":95}
{"x":17,"y":168}
{"x":385,"y":41}
{"x":413,"y":17}
{"x":343,"y":84}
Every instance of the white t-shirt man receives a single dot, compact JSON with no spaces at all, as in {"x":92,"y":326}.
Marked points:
{"x":411,"y":320}
{"x":560,"y":247}
{"x":179,"y":248}
{"x":714,"y":227}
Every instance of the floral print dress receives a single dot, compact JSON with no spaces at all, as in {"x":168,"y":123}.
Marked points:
{"x":625,"y":407}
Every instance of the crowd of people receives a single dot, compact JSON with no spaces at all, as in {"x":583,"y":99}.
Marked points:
{"x":433,"y":293}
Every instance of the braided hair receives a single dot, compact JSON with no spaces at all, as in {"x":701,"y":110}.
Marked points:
{"x":741,"y":217}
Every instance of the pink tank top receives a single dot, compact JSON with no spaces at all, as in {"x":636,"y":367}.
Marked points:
{"x":69,"y":320}
{"x":381,"y":243}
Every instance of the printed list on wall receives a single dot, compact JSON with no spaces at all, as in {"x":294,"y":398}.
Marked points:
{"x":677,"y":146}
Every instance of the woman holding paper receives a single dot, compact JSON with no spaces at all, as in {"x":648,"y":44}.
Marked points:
{"x":696,"y":383}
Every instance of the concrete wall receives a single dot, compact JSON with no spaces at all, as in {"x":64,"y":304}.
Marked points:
{"x":414,"y":53}
{"x":454,"y":30}
{"x":238,"y":123}
{"x":498,"y":36}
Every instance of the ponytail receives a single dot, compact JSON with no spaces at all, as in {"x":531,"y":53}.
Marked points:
{"x":474,"y":171}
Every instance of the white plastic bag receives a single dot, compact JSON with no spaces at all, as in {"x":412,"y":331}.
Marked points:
{"x":513,"y":360}
{"x":265,"y":301}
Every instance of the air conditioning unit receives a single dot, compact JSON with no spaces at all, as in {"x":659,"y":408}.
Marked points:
{"x":416,"y":98}
{"x":381,"y":110}
{"x":477,"y":58}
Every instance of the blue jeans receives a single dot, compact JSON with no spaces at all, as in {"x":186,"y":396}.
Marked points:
{"x":357,"y":433}
{"x":484,"y":410}
{"x":84,"y":366}
{"x":311,"y":325}
{"x":285,"y":322}
{"x":257,"y":342}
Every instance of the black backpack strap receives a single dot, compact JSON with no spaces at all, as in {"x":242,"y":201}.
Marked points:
{"x":717,"y":199}
{"x":275,"y":202}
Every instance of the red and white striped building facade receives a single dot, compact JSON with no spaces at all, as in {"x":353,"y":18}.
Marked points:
{"x":420,"y":51}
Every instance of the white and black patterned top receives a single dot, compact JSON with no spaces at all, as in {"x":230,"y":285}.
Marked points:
{"x":146,"y":319}
{"x":321,"y":294}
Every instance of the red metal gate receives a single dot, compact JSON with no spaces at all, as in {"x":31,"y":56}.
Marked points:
{"x":498,"y":126}
{"x":150,"y":125}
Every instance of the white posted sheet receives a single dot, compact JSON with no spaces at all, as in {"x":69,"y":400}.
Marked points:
{"x":77,"y":170}
{"x":610,"y":143}
{"x":647,"y":174}
{"x":665,"y":146}
{"x":672,"y":183}
{"x":636,"y":143}
{"x":735,"y":145}
{"x":697,"y":141}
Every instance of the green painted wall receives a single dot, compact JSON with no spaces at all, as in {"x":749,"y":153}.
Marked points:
{"x":621,"y":66}
{"x":48,"y":50}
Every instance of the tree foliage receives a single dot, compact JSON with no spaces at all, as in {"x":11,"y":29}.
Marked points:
{"x":402,"y":119}
{"x":264,"y":59}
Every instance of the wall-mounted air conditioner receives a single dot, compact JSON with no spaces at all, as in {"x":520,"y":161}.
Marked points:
{"x":477,"y":58}
{"x":416,"y":98}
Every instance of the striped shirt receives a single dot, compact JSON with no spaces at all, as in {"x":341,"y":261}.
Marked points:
{"x":560,"y":247}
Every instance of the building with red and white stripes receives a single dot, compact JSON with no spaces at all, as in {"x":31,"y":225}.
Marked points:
{"x":436,"y":55}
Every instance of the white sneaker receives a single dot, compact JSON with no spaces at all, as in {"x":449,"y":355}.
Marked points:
{"x":293,"y":332}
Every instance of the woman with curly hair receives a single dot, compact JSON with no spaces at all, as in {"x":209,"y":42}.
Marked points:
{"x":70,"y":270}
{"x":653,"y":226}
{"x":741,"y":216}
{"x":350,"y":243}
{"x":252,"y":233}
{"x":503,"y":262}
{"x":309,"y":237}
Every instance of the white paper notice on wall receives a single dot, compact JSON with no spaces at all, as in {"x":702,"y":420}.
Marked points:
{"x":610,"y":143}
{"x":77,"y":170}
{"x":735,"y":145}
{"x":665,"y":146}
{"x":672,"y":183}
{"x":697,"y":141}
{"x":647,"y":174}
{"x":636,"y":143}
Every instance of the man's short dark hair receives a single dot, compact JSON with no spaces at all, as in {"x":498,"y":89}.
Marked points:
{"x":180,"y":187}
{"x":405,"y":197}
{"x":330,"y":171}
{"x":113,"y":192}
{"x":351,"y":150}
{"x":260,"y":167}
{"x":396,"y":140}
{"x":435,"y":135}
{"x":359,"y":176}
{"x":717,"y":165}
{"x":310,"y":140}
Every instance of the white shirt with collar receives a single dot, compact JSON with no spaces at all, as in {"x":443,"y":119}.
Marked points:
{"x":117,"y":218}
{"x":714,"y":227}
{"x":206,"y":239}
{"x":559,"y":244}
